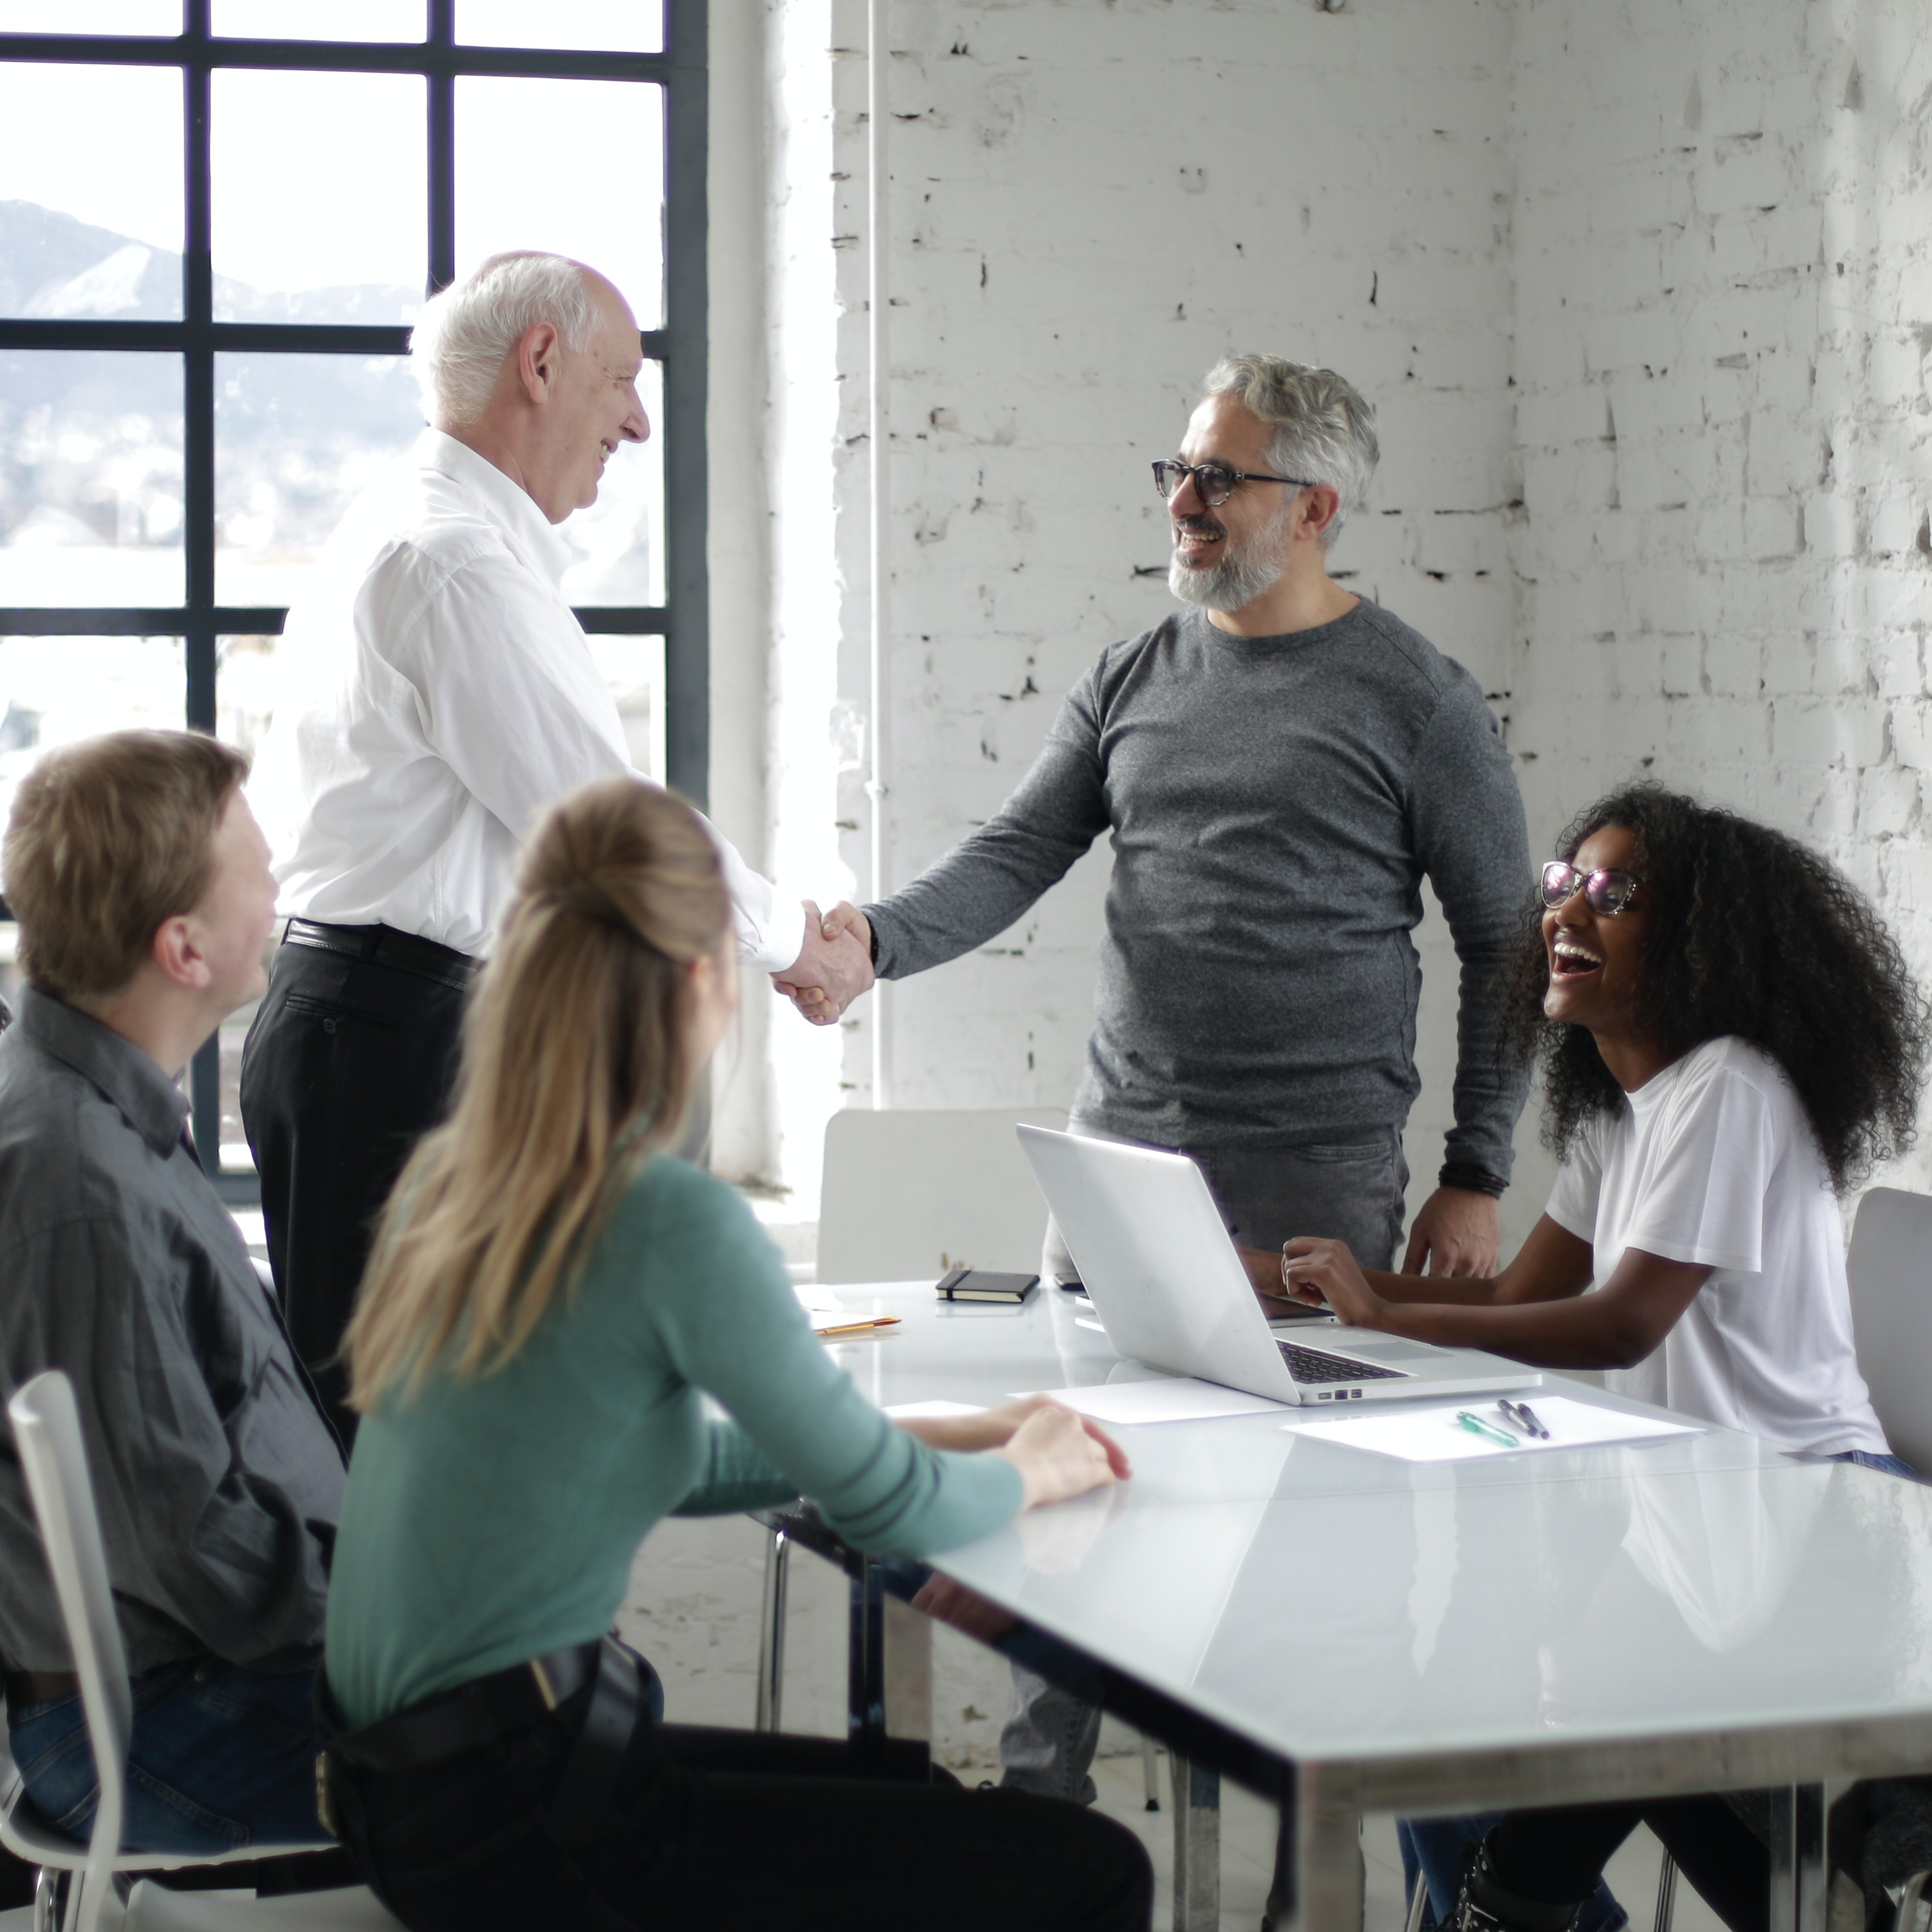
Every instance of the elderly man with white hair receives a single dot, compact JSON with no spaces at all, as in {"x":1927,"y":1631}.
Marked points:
{"x":435,"y":693}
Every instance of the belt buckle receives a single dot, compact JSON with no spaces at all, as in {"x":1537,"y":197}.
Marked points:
{"x":546,"y":1689}
{"x":325,"y":1799}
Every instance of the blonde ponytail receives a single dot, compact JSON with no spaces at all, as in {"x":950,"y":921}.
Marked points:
{"x":577,"y":1064}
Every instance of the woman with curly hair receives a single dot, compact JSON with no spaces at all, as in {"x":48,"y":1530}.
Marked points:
{"x":1728,"y":1038}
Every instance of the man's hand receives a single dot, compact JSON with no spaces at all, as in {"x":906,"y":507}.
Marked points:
{"x":1315,"y":1271}
{"x":1457,"y":1232}
{"x":833,"y":968}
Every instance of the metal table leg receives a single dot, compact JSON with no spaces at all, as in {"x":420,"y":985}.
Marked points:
{"x":772,"y":1632}
{"x":1798,"y":1896}
{"x":908,"y":1671}
{"x":865,"y":1671}
{"x":1327,"y":1876}
{"x":1197,"y":1845}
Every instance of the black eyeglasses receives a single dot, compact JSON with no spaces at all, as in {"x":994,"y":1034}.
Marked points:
{"x":1215,"y":481}
{"x":1604,"y":891}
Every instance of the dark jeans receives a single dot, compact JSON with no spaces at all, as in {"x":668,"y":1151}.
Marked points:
{"x":222,"y":1757}
{"x":716,"y":1831}
{"x":348,"y":1062}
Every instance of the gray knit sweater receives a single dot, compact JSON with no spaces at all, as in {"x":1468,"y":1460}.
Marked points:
{"x":1274,"y":804}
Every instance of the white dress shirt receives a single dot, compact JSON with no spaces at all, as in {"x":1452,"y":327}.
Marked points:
{"x":434,"y":694}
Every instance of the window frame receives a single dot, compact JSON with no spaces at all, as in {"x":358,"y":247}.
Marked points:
{"x":679,"y":347}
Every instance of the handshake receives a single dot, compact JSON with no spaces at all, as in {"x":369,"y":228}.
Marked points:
{"x":835,"y":966}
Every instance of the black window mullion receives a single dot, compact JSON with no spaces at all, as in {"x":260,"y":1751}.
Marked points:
{"x":198,"y":360}
{"x":683,"y":620}
{"x":442,"y":147}
{"x":198,"y":484}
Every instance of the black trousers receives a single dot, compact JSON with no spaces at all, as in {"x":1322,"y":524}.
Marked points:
{"x":718,"y":1831}
{"x":350,"y":1061}
{"x":1558,"y":1854}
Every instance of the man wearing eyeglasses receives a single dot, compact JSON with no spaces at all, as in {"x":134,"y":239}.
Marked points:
{"x":1280,"y":764}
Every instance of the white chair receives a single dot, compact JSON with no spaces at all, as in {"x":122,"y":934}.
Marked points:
{"x":1890,"y":1267}
{"x":47,"y":1433}
{"x":910,"y":1194}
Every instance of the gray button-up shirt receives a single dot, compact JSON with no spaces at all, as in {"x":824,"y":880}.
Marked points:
{"x":218,"y":1482}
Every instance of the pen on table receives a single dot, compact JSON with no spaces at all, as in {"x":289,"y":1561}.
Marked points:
{"x":1476,"y":1425}
{"x":1521,"y":1412}
{"x":858,"y":1327}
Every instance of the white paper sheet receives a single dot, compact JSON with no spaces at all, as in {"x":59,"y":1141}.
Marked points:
{"x":1433,"y":1435}
{"x":917,"y":1411}
{"x":1175,"y":1398}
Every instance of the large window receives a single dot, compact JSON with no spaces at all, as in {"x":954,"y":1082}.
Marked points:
{"x":217,"y":219}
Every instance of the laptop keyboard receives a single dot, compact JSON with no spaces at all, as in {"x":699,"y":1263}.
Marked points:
{"x":1311,"y":1365}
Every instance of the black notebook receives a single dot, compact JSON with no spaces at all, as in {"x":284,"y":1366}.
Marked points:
{"x":965,"y":1284}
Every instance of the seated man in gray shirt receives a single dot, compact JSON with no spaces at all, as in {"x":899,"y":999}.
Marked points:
{"x":1280,"y":766}
{"x":142,"y":887}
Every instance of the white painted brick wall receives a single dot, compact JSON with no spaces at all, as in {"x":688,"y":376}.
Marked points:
{"x":1090,"y":203}
{"x":1723,"y":256}
{"x":1639,"y":288}
{"x":1643,"y":291}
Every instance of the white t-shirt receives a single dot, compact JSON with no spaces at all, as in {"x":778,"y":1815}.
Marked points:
{"x":1714,"y":1161}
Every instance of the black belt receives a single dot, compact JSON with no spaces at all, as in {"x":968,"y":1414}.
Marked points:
{"x":502,"y":1704}
{"x":384,"y":945}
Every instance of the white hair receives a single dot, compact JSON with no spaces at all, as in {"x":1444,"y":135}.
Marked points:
{"x":465,"y":334}
{"x":1324,"y":430}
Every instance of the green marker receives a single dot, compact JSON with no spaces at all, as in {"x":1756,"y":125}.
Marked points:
{"x":1476,"y":1425}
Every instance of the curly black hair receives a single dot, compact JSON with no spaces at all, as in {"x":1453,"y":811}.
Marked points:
{"x":1752,"y":934}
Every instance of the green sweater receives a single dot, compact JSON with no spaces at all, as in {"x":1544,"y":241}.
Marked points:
{"x":493,"y":1519}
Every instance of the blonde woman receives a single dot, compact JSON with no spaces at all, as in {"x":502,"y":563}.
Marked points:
{"x":551,"y":1296}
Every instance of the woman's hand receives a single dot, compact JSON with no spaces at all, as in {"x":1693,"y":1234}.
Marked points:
{"x":1315,"y":1271}
{"x":995,"y":1428}
{"x":1061,"y":1455}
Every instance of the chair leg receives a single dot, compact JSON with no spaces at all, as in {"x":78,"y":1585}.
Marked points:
{"x":46,"y":1900}
{"x":1418,"y":1905}
{"x":1915,"y":1907}
{"x":1666,"y":1893}
{"x":771,"y":1634}
{"x":1150,"y":1771}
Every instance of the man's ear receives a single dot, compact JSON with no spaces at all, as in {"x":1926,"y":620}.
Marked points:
{"x":539,"y":350}
{"x":177,"y":955}
{"x":1317,"y":511}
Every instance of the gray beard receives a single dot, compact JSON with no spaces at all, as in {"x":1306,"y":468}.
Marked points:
{"x":1235,"y":582}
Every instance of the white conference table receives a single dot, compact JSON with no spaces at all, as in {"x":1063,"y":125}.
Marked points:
{"x":1349,"y":1633}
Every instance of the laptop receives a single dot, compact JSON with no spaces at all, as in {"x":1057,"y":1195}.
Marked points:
{"x":1171,"y":1291}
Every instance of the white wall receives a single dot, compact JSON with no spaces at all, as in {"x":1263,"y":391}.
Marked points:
{"x":1642,"y":289}
{"x":1724,"y":248}
{"x":1641,"y":292}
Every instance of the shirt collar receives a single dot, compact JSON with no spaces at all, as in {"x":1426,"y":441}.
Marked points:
{"x":154,"y":1106}
{"x":510,"y":506}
